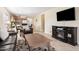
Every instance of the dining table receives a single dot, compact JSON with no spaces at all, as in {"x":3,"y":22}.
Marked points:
{"x":37,"y":40}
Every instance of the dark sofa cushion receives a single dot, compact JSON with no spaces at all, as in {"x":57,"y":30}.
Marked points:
{"x":1,"y":40}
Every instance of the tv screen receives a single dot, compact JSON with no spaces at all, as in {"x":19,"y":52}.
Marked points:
{"x":66,"y":15}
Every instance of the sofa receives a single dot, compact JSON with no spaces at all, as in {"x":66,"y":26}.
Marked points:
{"x":27,"y":29}
{"x":7,"y":43}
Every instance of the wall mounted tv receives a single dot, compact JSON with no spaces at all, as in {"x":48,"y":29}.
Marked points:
{"x":66,"y":15}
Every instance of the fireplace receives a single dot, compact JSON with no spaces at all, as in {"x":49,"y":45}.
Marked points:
{"x":65,"y":34}
{"x":60,"y":33}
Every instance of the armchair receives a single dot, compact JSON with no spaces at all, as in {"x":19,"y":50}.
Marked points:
{"x":27,"y":29}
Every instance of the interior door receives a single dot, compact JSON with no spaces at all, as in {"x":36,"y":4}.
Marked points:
{"x":42,"y":23}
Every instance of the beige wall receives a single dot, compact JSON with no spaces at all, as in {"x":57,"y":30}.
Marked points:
{"x":51,"y":19}
{"x":37,"y":23}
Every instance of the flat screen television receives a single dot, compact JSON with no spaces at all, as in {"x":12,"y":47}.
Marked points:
{"x":66,"y":15}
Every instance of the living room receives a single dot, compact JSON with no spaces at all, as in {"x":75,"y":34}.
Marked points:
{"x":40,"y":23}
{"x":51,"y":20}
{"x":53,"y":35}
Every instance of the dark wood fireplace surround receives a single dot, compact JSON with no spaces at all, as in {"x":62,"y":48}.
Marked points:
{"x":65,"y":34}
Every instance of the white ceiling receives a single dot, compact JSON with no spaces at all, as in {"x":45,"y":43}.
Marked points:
{"x":28,"y":11}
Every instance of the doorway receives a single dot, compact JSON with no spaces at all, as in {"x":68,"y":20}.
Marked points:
{"x":42,"y":23}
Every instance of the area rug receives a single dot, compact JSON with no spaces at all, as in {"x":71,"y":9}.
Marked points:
{"x":21,"y":46}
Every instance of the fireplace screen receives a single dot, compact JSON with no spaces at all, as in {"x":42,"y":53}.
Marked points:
{"x":60,"y":33}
